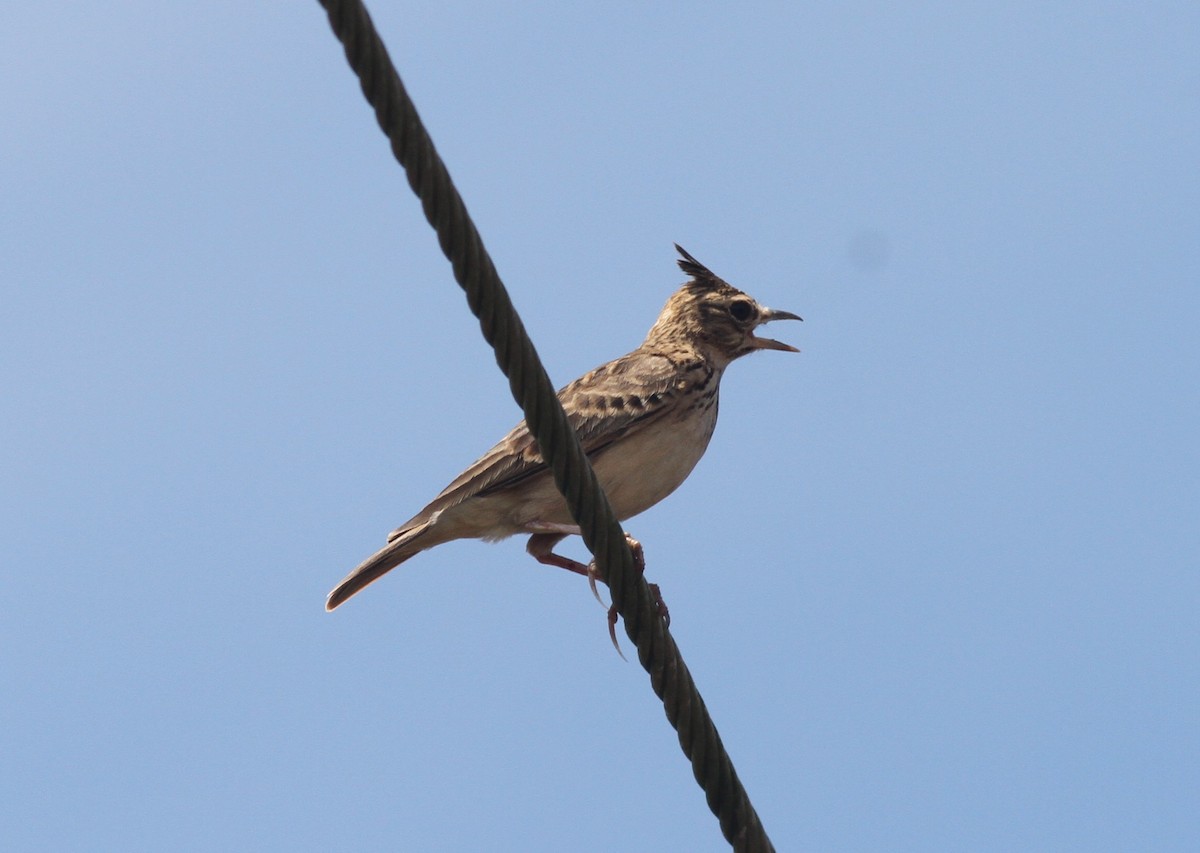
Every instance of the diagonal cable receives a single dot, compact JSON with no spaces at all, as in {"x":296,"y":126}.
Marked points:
{"x":533,"y":391}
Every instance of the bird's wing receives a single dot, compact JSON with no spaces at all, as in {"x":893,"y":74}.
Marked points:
{"x":611,"y":402}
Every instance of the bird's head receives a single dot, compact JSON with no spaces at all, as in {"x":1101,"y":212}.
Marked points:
{"x":714,"y":317}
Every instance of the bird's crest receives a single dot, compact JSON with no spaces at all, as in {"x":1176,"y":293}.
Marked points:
{"x":702,"y":277}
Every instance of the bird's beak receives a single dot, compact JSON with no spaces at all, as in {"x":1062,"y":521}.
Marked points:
{"x":766,"y":316}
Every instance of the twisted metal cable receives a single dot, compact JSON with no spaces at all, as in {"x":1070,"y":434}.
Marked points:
{"x":557,"y":441}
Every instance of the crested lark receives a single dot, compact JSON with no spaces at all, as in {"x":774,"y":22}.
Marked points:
{"x":644,"y":421}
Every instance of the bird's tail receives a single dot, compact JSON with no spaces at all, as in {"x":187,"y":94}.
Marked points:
{"x":402,"y":544}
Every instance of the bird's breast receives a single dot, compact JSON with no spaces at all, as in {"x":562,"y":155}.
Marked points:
{"x":640,"y":470}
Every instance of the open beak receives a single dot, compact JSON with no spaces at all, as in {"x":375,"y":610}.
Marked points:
{"x":766,"y":316}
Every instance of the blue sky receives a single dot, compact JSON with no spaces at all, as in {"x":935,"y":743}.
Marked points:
{"x":937,"y":577}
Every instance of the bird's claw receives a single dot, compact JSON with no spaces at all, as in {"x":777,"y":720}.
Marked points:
{"x":639,"y":556}
{"x":592,"y":571}
{"x":660,"y":606}
{"x":592,"y":574}
{"x":612,"y":631}
{"x":639,"y":564}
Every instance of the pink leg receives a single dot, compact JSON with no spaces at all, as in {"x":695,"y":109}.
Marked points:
{"x":541,"y":548}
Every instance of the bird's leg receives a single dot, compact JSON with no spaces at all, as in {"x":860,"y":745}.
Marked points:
{"x":593,"y":574}
{"x":541,"y":548}
{"x":639,"y":565}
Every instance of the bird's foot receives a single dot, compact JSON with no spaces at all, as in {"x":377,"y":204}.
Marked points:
{"x":659,"y":604}
{"x":639,"y":565}
{"x":540,"y":545}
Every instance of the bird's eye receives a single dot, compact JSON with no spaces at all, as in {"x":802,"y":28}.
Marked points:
{"x":741,"y":310}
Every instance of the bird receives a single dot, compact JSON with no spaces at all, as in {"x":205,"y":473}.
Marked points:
{"x":644,"y":420}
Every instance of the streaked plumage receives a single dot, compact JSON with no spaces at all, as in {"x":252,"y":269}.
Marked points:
{"x":644,"y":421}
